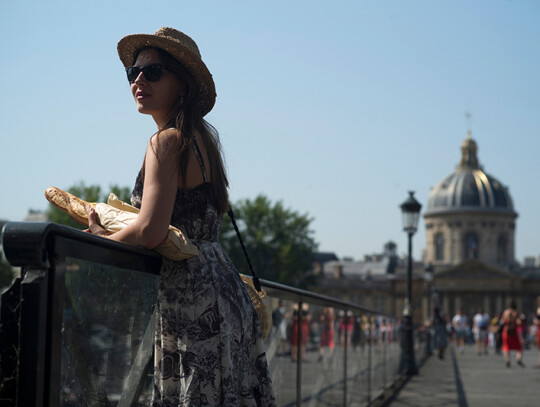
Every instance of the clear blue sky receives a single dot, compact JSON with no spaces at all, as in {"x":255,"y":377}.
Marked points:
{"x":337,"y":108}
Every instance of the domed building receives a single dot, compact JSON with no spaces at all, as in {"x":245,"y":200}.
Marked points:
{"x":470,"y":241}
{"x":470,"y":215}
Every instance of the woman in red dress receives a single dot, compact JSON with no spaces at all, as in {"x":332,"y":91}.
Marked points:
{"x":305,"y":332}
{"x":346,"y":328}
{"x":327,"y":332}
{"x":511,"y":334}
{"x":537,"y":323}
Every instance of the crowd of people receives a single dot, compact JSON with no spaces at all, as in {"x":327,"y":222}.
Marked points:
{"x":325,"y":328}
{"x":508,"y":331}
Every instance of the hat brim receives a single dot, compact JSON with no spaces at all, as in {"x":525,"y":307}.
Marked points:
{"x":129,"y":45}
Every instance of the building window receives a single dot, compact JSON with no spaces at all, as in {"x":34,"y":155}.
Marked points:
{"x":439,"y":246}
{"x":379,"y":303}
{"x":501,"y":249}
{"x":470,"y":246}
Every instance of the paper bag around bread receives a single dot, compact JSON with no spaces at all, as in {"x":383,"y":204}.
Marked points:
{"x":116,"y":215}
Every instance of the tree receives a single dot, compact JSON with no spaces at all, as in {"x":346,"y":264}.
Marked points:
{"x":91,"y":193}
{"x":279,"y":241}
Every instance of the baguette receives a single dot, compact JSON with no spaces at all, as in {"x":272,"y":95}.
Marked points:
{"x":72,"y":205}
{"x":116,"y":215}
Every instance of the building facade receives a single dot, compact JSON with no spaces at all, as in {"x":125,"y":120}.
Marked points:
{"x":470,"y":215}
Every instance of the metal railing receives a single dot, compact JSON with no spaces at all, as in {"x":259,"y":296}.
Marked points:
{"x":77,"y":329}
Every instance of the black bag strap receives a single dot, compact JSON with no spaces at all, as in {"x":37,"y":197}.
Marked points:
{"x":254,"y":277}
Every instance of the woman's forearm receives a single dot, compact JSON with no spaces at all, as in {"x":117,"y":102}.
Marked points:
{"x":139,"y":235}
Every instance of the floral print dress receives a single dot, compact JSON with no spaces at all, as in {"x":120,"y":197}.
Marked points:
{"x":208,"y":345}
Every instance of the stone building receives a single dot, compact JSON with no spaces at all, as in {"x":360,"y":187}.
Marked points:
{"x":470,"y":241}
{"x":470,"y":215}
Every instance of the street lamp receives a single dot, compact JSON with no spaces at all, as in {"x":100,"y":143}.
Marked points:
{"x":428,"y":278}
{"x":410,"y":210}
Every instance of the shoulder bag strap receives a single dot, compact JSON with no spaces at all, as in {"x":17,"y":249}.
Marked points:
{"x":254,"y":278}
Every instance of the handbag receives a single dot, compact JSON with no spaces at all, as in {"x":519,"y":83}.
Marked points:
{"x":259,"y":298}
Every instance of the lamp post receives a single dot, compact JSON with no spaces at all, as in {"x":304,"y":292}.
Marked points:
{"x":428,"y":278}
{"x":410,"y":210}
{"x":435,"y":296}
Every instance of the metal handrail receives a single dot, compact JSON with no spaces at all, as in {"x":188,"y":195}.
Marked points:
{"x":286,"y":292}
{"x":26,"y":245}
{"x":36,"y":246}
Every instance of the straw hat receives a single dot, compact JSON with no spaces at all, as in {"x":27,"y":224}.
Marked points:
{"x":181,"y":47}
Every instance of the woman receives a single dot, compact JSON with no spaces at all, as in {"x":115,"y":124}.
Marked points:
{"x":537,"y":323}
{"x":511,"y":334}
{"x":327,"y":332}
{"x":304,"y":330}
{"x":441,"y":334}
{"x":345,"y":328}
{"x":208,"y":345}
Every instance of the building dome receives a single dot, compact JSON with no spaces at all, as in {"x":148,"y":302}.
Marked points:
{"x":470,"y":215}
{"x":469,"y":188}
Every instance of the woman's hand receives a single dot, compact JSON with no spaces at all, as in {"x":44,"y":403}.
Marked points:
{"x":93,"y":225}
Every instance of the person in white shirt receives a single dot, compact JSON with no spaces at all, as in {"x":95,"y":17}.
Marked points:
{"x":480,"y":330}
{"x":459,"y":323}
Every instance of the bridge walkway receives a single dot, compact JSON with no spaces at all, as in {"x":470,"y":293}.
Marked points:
{"x":471,"y":380}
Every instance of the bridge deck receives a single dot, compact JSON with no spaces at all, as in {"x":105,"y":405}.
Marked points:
{"x":470,"y":380}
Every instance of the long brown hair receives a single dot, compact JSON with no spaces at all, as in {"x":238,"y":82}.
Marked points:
{"x":186,"y":117}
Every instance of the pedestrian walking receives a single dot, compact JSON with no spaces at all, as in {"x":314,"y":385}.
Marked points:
{"x":327,"y":321}
{"x":459,"y":322}
{"x":480,"y":330}
{"x":358,"y":336}
{"x":496,"y":328}
{"x":441,"y":333}
{"x":537,"y":325}
{"x":300,"y":330}
{"x":345,"y":328}
{"x":511,"y":334}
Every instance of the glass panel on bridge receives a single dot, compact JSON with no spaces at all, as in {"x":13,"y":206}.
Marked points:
{"x":107,"y":312}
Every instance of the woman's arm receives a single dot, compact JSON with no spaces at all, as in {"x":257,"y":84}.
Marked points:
{"x":160,"y":188}
{"x":504,"y":316}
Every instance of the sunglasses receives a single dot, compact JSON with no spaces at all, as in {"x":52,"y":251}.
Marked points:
{"x":152,"y":72}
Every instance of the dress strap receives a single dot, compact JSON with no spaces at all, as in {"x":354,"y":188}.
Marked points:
{"x":200,"y":160}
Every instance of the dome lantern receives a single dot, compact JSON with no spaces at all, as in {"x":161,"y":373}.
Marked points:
{"x":468,"y":153}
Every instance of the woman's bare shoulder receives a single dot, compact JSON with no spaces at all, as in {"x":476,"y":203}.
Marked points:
{"x":164,"y":138}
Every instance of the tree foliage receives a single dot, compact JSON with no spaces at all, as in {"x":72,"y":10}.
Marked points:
{"x":91,"y":193}
{"x":279,"y":241}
